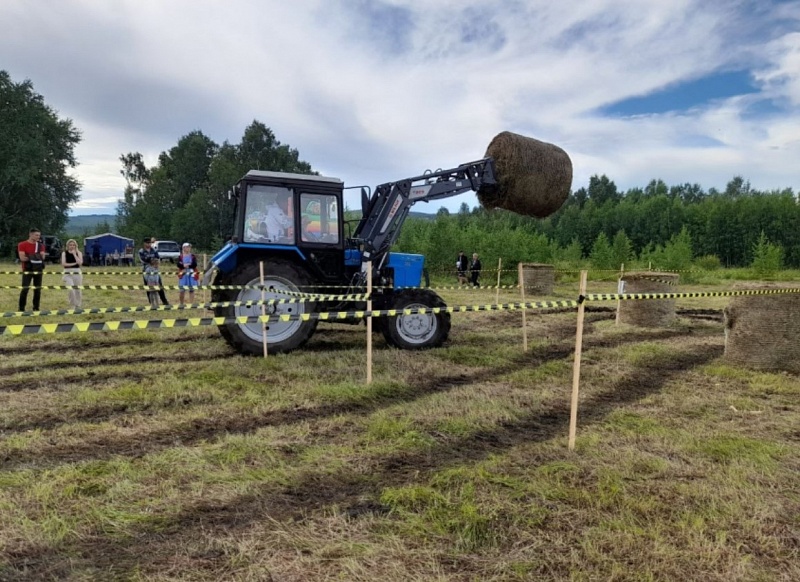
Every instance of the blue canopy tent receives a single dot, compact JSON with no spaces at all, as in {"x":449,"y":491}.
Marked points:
{"x":103,"y":245}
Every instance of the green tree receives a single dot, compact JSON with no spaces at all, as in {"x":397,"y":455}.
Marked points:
{"x":621,"y":248}
{"x":37,"y":148}
{"x":678,"y":251}
{"x":602,"y":255}
{"x":767,"y":257}
{"x":185,"y":195}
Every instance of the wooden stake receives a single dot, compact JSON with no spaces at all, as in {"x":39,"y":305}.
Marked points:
{"x":619,"y":290}
{"x":576,"y":367}
{"x":263,"y":308}
{"x":369,"y":323}
{"x":205,"y":266}
{"x":497,"y":295}
{"x":521,"y":278}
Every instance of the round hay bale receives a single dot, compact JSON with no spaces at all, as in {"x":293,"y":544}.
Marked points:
{"x":648,"y":312}
{"x":533,"y":177}
{"x":761,"y":331}
{"x":538,"y":278}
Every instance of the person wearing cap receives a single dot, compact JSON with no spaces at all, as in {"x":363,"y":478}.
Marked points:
{"x":146,"y":254}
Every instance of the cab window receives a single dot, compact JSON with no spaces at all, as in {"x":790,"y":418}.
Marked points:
{"x":268,"y":215}
{"x":319,"y":219}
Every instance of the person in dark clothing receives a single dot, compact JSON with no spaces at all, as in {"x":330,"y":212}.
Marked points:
{"x":95,"y":253}
{"x":462,"y":265}
{"x":475,"y":269}
{"x":146,"y":254}
{"x":31,"y":254}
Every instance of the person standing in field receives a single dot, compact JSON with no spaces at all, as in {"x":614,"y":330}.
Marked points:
{"x":71,"y":260}
{"x":462,"y":264}
{"x":31,"y":254}
{"x":187,"y":272}
{"x":475,"y":269}
{"x":152,"y":278}
{"x":146,"y":254}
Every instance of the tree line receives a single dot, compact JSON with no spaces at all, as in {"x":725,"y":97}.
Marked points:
{"x":668,"y":226}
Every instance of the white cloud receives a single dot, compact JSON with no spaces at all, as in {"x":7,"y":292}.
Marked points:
{"x":372,"y":92}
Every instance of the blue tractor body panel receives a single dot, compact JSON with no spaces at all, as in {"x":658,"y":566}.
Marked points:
{"x":407,"y":269}
{"x":226,"y":259}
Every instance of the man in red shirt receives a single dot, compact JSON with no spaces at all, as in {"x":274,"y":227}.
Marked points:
{"x":31,"y":258}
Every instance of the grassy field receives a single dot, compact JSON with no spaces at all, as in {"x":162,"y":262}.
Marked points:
{"x":163,"y":455}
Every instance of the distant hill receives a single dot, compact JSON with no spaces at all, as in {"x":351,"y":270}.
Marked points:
{"x":78,"y":225}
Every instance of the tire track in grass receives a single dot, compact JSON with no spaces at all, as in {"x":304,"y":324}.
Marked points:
{"x":347,"y":489}
{"x":223,"y":423}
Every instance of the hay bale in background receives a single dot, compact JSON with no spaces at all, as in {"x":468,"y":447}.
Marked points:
{"x":762,"y":331}
{"x":648,"y":312}
{"x":538,"y":278}
{"x":533,"y":177}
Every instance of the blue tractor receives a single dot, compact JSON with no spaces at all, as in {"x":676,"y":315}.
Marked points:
{"x":294,"y":224}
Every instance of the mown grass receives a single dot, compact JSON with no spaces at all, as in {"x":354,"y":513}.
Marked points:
{"x":163,"y":455}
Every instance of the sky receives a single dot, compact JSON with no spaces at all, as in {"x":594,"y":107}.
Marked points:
{"x":687,"y":91}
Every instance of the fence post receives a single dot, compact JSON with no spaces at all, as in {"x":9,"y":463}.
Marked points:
{"x":205,"y":266}
{"x":521,"y":278}
{"x":576,"y":367}
{"x":497,"y":295}
{"x":619,"y":290}
{"x":263,"y":308}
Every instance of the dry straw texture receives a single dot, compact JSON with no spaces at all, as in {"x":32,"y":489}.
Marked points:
{"x":762,"y":331}
{"x":649,"y":312}
{"x":538,"y":279}
{"x":533,"y":177}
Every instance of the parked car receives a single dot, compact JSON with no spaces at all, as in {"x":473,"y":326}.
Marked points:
{"x":53,"y":246}
{"x":167,"y":250}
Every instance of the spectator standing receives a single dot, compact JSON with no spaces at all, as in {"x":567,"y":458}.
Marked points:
{"x":187,"y":272}
{"x":462,"y":265}
{"x":152,"y":278}
{"x":146,"y":254}
{"x":31,"y":254}
{"x":71,"y":260}
{"x":95,"y":253}
{"x":475,"y":269}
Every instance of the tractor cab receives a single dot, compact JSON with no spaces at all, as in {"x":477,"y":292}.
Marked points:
{"x":296,"y":217}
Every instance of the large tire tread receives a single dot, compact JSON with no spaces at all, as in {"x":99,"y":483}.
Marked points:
{"x":416,"y":297}
{"x":245,"y":274}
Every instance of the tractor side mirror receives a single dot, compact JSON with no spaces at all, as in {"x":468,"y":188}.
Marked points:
{"x":364,"y":202}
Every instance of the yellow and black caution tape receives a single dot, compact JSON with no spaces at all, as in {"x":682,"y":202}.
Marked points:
{"x":48,"y":328}
{"x":56,"y":271}
{"x":266,"y":288}
{"x":144,"y":308}
{"x":655,"y":279}
{"x":634,"y":296}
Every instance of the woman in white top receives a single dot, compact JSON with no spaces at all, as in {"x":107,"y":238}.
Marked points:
{"x":71,"y":260}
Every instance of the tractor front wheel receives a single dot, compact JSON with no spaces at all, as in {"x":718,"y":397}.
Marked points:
{"x":282,"y":335}
{"x":417,"y":331}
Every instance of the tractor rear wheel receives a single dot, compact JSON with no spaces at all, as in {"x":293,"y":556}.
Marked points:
{"x":417,"y":331}
{"x":282,"y":336}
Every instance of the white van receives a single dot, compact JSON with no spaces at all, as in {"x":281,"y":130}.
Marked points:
{"x":167,"y":250}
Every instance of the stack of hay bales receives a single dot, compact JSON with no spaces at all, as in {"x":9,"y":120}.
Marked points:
{"x":538,"y":278}
{"x":648,"y":312}
{"x":533,"y":177}
{"x":762,"y":331}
